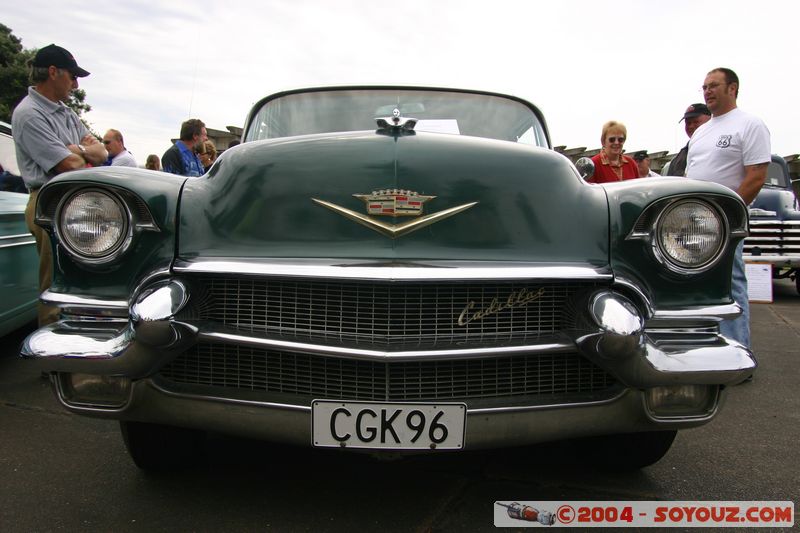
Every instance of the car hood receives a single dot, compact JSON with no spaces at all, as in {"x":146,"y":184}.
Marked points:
{"x":772,"y":203}
{"x":265,"y":199}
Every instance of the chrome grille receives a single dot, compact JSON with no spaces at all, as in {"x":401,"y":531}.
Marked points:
{"x":299,"y":378}
{"x":396,"y":314}
{"x":773,"y":237}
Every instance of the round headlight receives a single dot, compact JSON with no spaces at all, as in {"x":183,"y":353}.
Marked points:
{"x":93,"y":224}
{"x":690,"y":234}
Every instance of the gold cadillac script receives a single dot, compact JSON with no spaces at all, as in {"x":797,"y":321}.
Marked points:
{"x":519,"y":298}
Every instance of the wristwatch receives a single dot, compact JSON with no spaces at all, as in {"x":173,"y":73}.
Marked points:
{"x":82,"y":148}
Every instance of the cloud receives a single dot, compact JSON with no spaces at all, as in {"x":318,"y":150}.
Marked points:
{"x":154,"y":64}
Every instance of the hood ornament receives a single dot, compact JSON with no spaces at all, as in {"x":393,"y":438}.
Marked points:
{"x":394,"y":203}
{"x":396,"y":123}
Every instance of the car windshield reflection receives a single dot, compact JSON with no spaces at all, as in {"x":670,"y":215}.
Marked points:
{"x":453,"y":112}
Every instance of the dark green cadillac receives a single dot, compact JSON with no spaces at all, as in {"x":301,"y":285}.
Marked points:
{"x":391,"y":269}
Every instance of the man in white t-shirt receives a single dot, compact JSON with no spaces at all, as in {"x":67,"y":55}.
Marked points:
{"x":733,"y":149}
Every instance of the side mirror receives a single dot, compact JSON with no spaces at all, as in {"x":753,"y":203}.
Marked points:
{"x":585,"y":167}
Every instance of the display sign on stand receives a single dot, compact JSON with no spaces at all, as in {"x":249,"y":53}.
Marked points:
{"x":759,"y":282}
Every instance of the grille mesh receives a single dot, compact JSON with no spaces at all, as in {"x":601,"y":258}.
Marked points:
{"x":389,"y":314}
{"x":773,"y":237}
{"x":304,"y":376}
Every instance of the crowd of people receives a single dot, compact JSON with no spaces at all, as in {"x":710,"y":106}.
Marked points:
{"x":192,"y":155}
{"x":726,"y":145}
{"x":50,"y":139}
{"x":612,"y":164}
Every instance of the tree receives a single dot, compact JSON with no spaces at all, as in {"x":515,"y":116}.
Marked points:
{"x":14,"y":78}
{"x":13,"y":72}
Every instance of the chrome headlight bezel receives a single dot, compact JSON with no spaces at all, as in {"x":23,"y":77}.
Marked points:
{"x":109,"y":254}
{"x":673,"y":263}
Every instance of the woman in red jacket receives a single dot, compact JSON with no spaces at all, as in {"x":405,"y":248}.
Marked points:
{"x":610,"y":164}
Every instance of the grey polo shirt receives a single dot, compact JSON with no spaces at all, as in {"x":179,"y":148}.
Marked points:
{"x":42,"y":129}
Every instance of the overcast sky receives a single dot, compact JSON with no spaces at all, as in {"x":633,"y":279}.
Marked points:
{"x":155,"y":64}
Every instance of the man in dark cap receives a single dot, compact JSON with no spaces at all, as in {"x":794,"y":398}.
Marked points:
{"x":643,"y":162}
{"x":50,"y":139}
{"x":695,"y":116}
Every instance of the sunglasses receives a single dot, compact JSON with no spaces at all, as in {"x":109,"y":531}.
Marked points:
{"x":106,"y":142}
{"x":616,"y":139}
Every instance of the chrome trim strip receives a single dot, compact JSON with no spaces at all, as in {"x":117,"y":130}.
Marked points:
{"x":786,"y":260}
{"x":715,"y":313}
{"x":222,"y":399}
{"x":775,"y":222}
{"x":654,"y":330}
{"x":18,"y":236}
{"x":757,"y":212}
{"x":76,"y":301}
{"x":523,"y":408}
{"x":392,"y":270}
{"x":303,"y":408}
{"x":358,"y":353}
{"x":15,"y":244}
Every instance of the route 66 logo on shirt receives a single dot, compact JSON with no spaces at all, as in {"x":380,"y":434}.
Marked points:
{"x":724,"y":141}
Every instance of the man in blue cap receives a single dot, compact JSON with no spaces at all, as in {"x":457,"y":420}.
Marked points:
{"x":50,"y":139}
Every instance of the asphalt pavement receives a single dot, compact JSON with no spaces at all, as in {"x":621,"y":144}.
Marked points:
{"x":62,"y":472}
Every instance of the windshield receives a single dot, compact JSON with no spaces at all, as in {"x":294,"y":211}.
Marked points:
{"x":449,"y":112}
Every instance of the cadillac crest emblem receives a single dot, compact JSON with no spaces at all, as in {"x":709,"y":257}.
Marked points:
{"x":393,"y":203}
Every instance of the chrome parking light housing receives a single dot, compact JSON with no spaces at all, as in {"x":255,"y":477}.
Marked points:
{"x":91,"y":390}
{"x":681,"y":401}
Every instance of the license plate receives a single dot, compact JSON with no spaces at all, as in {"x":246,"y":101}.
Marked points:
{"x":395,"y":426}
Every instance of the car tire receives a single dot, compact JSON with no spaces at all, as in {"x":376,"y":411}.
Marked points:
{"x":154,"y":447}
{"x":629,"y":451}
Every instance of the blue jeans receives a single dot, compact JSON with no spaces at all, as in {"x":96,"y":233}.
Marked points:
{"x":738,"y":329}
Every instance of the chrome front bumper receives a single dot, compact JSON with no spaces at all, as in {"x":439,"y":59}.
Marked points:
{"x":669,"y":352}
{"x":671,"y":348}
{"x":485,"y":428}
